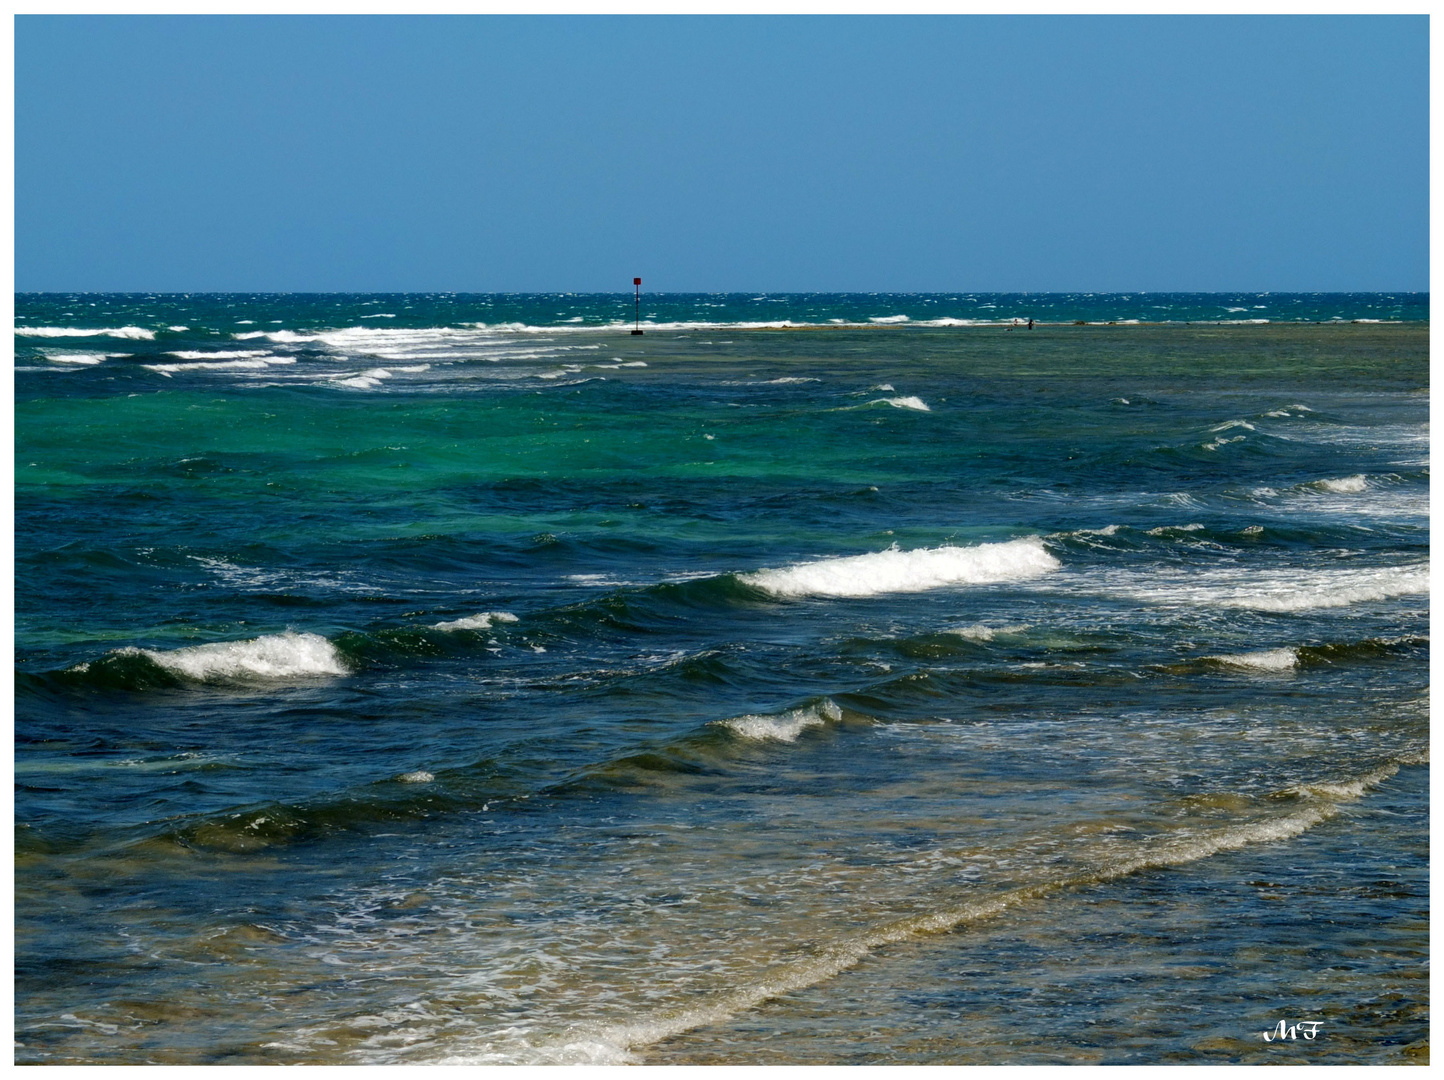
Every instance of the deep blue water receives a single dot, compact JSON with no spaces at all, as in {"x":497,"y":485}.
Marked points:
{"x":464,"y":678}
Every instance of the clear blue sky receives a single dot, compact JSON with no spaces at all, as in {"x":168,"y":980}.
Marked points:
{"x":743,"y":153}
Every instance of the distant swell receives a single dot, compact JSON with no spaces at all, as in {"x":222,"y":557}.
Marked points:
{"x":895,"y":571}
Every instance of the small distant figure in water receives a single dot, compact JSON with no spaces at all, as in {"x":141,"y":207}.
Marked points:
{"x":1030,"y":324}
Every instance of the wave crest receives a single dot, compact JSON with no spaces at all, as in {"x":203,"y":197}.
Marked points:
{"x":895,"y":571}
{"x":1262,"y":660}
{"x":134,"y":333}
{"x":482,"y":621}
{"x":286,"y":655}
{"x":783,"y":727}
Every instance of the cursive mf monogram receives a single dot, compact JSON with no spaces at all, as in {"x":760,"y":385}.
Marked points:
{"x":1309,"y":1029}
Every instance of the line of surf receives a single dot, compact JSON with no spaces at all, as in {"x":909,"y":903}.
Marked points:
{"x":1323,"y":801}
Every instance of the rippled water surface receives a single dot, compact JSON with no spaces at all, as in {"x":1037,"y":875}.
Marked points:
{"x":403,"y":681}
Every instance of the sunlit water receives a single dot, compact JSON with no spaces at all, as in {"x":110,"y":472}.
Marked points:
{"x":497,"y":687}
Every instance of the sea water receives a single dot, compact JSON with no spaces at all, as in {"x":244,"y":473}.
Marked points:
{"x":810,"y":679}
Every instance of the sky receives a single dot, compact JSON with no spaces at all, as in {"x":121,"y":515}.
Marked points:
{"x":710,"y":154}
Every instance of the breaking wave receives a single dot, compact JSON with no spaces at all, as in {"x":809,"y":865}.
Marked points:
{"x":287,"y":655}
{"x":1263,"y":660}
{"x":483,"y":621}
{"x":1348,"y":485}
{"x":915,"y":403}
{"x":783,"y":727}
{"x":896,"y":571}
{"x":134,"y":333}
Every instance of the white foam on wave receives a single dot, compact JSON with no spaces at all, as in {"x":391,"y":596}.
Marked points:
{"x":1223,"y":442}
{"x":896,"y":571}
{"x":221,"y":365}
{"x":915,"y":403}
{"x":980,"y":632}
{"x":420,"y":776}
{"x":1263,"y":660}
{"x":286,"y":655}
{"x":782,"y":727}
{"x":1340,"y":589}
{"x":135,"y":333}
{"x":1348,"y":485}
{"x":363,"y":381}
{"x":76,"y":357}
{"x":1280,"y":591}
{"x":220,"y":354}
{"x":1166,"y":530}
{"x":883,"y":320}
{"x":482,"y":621}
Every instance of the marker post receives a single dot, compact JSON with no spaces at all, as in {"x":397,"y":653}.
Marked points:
{"x":637,"y":284}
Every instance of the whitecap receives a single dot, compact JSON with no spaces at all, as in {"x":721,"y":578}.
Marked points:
{"x":1263,"y":660}
{"x":75,"y":357}
{"x":243,"y":354}
{"x":220,"y":365}
{"x":1223,"y":442}
{"x":896,"y":571}
{"x":1279,"y":591}
{"x":364,"y":381}
{"x":482,"y":621}
{"x":286,"y":655}
{"x":782,"y":727}
{"x":1166,"y":530}
{"x":884,"y":320}
{"x":1348,"y":485}
{"x":915,"y":403}
{"x":135,"y":333}
{"x":420,"y":776}
{"x":980,"y":632}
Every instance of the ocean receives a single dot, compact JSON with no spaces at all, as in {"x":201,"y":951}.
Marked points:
{"x":810,"y":679}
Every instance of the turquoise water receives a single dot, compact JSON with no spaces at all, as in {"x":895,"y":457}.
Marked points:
{"x":466,"y":679}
